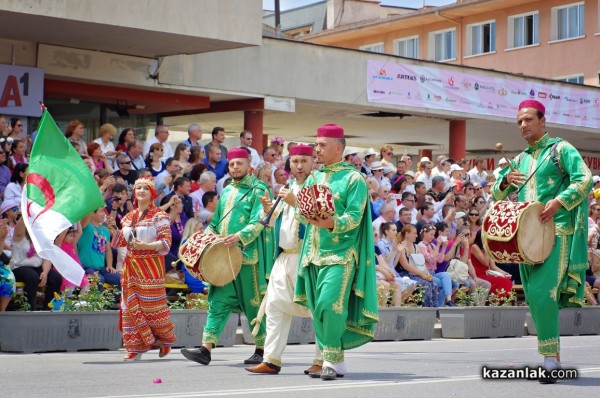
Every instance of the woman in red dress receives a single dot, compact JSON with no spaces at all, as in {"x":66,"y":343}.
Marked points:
{"x":145,"y":317}
{"x":483,"y":263}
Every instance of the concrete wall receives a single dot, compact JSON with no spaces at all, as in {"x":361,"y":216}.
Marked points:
{"x":231,"y":20}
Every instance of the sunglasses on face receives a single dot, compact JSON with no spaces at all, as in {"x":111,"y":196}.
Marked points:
{"x":129,"y":162}
{"x":473,"y":215}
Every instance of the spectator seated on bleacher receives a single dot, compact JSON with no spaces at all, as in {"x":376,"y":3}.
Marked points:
{"x":94,"y":249}
{"x":486,"y":269}
{"x":31,"y":269}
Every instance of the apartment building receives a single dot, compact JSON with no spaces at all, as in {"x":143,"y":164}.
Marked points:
{"x":553,"y":39}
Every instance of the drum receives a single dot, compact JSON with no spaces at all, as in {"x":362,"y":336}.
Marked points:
{"x":206,"y":257}
{"x":315,"y":201}
{"x":513,"y":233}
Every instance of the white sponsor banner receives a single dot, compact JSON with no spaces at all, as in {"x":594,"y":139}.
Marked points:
{"x":22,"y":89}
{"x":445,"y":89}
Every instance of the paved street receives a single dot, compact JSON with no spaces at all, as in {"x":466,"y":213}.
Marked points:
{"x":437,"y":368}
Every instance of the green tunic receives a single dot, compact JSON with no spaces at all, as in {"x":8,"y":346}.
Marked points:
{"x":245,"y":292}
{"x":559,"y":281}
{"x":336,"y":275}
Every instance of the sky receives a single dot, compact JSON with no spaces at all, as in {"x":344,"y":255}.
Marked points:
{"x":287,"y":4}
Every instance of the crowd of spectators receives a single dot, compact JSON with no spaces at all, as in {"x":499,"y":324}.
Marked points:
{"x":427,"y":216}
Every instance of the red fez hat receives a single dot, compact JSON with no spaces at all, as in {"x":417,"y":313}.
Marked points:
{"x":533,"y":104}
{"x":330,"y":131}
{"x":237,"y":153}
{"x":301,"y":150}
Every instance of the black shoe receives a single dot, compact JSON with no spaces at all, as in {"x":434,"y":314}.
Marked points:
{"x":328,"y":373}
{"x":202,"y":355}
{"x":449,"y":303}
{"x":255,"y":359}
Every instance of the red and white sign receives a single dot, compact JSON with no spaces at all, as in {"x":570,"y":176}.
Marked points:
{"x":21,"y":90}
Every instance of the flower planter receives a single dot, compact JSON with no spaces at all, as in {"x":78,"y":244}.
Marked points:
{"x":473,"y":322}
{"x":59,"y":331}
{"x":573,"y":321}
{"x":405,"y":323}
{"x":189,"y":326}
{"x":301,"y":331}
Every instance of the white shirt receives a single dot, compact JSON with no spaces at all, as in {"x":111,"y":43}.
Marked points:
{"x":256,"y":159}
{"x":475,"y":176}
{"x":425,"y":179}
{"x":13,"y":191}
{"x":159,"y":184}
{"x":197,"y":199}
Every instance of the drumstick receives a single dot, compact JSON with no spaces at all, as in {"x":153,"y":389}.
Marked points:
{"x":500,"y":147}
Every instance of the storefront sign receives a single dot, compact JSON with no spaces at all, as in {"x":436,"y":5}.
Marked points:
{"x":21,"y":90}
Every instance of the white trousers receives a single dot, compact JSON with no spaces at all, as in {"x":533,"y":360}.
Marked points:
{"x":281,"y":307}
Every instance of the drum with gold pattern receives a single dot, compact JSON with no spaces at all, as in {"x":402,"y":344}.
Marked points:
{"x":207,"y":258}
{"x":513,"y":233}
{"x":315,"y":201}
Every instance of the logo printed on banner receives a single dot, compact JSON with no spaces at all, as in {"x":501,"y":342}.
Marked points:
{"x":457,"y":91}
{"x":406,"y":77}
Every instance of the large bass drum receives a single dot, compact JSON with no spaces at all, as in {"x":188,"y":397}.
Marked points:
{"x":513,"y":233}
{"x":207,"y":258}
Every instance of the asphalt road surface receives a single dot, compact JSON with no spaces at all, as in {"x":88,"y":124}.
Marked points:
{"x":436,"y":368}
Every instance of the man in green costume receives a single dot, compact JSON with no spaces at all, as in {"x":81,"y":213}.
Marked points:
{"x":240,"y":207}
{"x":336,"y":275}
{"x":561,"y":182}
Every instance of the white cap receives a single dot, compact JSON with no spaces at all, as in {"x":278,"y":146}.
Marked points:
{"x":425,"y":159}
{"x":368,"y":152}
{"x":387,"y":170}
{"x":410,"y":173}
{"x":9,"y":204}
{"x":596,"y":179}
{"x":502,"y":161}
{"x":376,"y":166}
{"x":459,"y":214}
{"x":349,"y":151}
{"x":455,"y":167}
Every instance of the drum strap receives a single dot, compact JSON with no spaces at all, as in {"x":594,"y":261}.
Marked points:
{"x":553,"y":154}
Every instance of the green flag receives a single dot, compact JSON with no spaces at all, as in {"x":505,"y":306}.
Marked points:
{"x":60,"y":191}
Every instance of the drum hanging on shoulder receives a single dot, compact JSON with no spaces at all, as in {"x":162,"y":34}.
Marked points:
{"x":316,"y":201}
{"x":513,"y":233}
{"x":206,"y":257}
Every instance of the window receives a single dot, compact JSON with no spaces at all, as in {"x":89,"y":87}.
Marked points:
{"x":374,"y":48}
{"x":523,"y":30}
{"x":407,"y":47}
{"x":578,"y":79}
{"x":567,"y":22}
{"x":442,"y":45}
{"x":481,"y":38}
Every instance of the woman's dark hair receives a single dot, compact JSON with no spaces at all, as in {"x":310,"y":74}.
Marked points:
{"x":16,"y":174}
{"x":13,"y":121}
{"x":195,"y":152}
{"x":196,"y":170}
{"x":440,"y":227}
{"x":123,"y":134}
{"x":398,"y":184}
{"x":384,"y":227}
